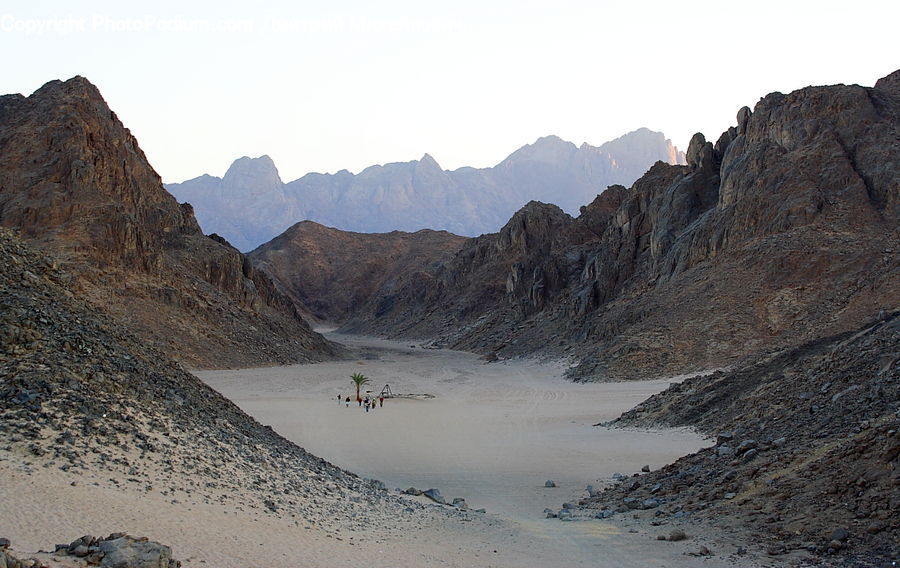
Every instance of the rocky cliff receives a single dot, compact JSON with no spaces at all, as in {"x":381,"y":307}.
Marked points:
{"x":250,"y":205}
{"x":783,"y":230}
{"x":75,"y":184}
{"x":330,"y":273}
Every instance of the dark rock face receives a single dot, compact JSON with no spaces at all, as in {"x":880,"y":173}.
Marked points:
{"x":74,"y":183}
{"x":251,"y":205}
{"x":808,"y":440}
{"x":331,"y":273}
{"x":783,"y":230}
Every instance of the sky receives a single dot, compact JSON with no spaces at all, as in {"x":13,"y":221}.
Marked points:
{"x":347,"y":84}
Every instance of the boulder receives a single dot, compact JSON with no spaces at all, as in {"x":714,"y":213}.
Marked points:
{"x":434,"y":495}
{"x":128,"y":552}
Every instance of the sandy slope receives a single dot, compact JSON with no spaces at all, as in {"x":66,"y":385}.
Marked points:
{"x":492,"y":434}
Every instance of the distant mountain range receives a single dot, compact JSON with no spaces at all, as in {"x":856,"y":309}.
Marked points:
{"x":250,"y":205}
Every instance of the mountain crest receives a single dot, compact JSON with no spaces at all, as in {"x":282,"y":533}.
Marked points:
{"x":251,"y":205}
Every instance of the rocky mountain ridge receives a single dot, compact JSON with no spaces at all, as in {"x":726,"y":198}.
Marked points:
{"x":807,"y":453}
{"x":75,"y":184}
{"x":250,"y":205}
{"x":328,"y":272}
{"x":783,"y":230}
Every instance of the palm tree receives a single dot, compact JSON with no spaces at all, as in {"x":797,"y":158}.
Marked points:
{"x":360,"y":380}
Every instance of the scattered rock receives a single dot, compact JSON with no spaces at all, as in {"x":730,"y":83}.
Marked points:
{"x":549,"y":483}
{"x":840,"y":534}
{"x":434,"y":495}
{"x":776,"y":549}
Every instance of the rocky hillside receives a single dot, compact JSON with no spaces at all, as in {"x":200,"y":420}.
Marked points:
{"x":83,"y":396}
{"x":250,"y":205}
{"x":330,"y":273}
{"x":783,"y":230}
{"x":75,"y":184}
{"x":807,"y":452}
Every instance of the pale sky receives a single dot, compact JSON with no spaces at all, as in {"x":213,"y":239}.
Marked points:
{"x":356,"y":83}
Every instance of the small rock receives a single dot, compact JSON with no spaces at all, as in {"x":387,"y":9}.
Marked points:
{"x":677,"y":535}
{"x":724,"y":437}
{"x":840,"y":534}
{"x":876,"y":527}
{"x":550,"y":514}
{"x":724,"y":451}
{"x":835,"y":545}
{"x":730,"y":495}
{"x":646,"y":469}
{"x":776,"y":549}
{"x":650,"y":503}
{"x":655,"y":488}
{"x":660,"y":537}
{"x":633,"y":485}
{"x":434,"y":495}
{"x":749,"y":455}
{"x":549,"y":483}
{"x":413,"y":491}
{"x":4,"y":543}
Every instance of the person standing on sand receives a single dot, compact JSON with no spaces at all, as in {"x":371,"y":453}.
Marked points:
{"x":347,"y":400}
{"x":367,"y":405}
{"x":339,"y":398}
{"x":380,"y":401}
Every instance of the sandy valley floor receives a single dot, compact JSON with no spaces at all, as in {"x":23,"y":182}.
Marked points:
{"x":492,"y":434}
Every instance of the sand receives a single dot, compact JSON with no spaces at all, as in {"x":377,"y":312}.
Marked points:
{"x":492,"y":434}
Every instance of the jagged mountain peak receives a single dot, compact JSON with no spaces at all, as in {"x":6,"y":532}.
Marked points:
{"x":77,"y":86}
{"x":547,"y":149}
{"x":250,"y":170}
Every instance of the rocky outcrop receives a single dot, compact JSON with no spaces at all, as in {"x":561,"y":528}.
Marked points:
{"x":782,"y":231}
{"x":250,"y":205}
{"x":75,"y":184}
{"x":331,"y":273}
{"x":807,"y":449}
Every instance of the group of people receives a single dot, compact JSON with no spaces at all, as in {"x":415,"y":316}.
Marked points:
{"x":368,"y":403}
